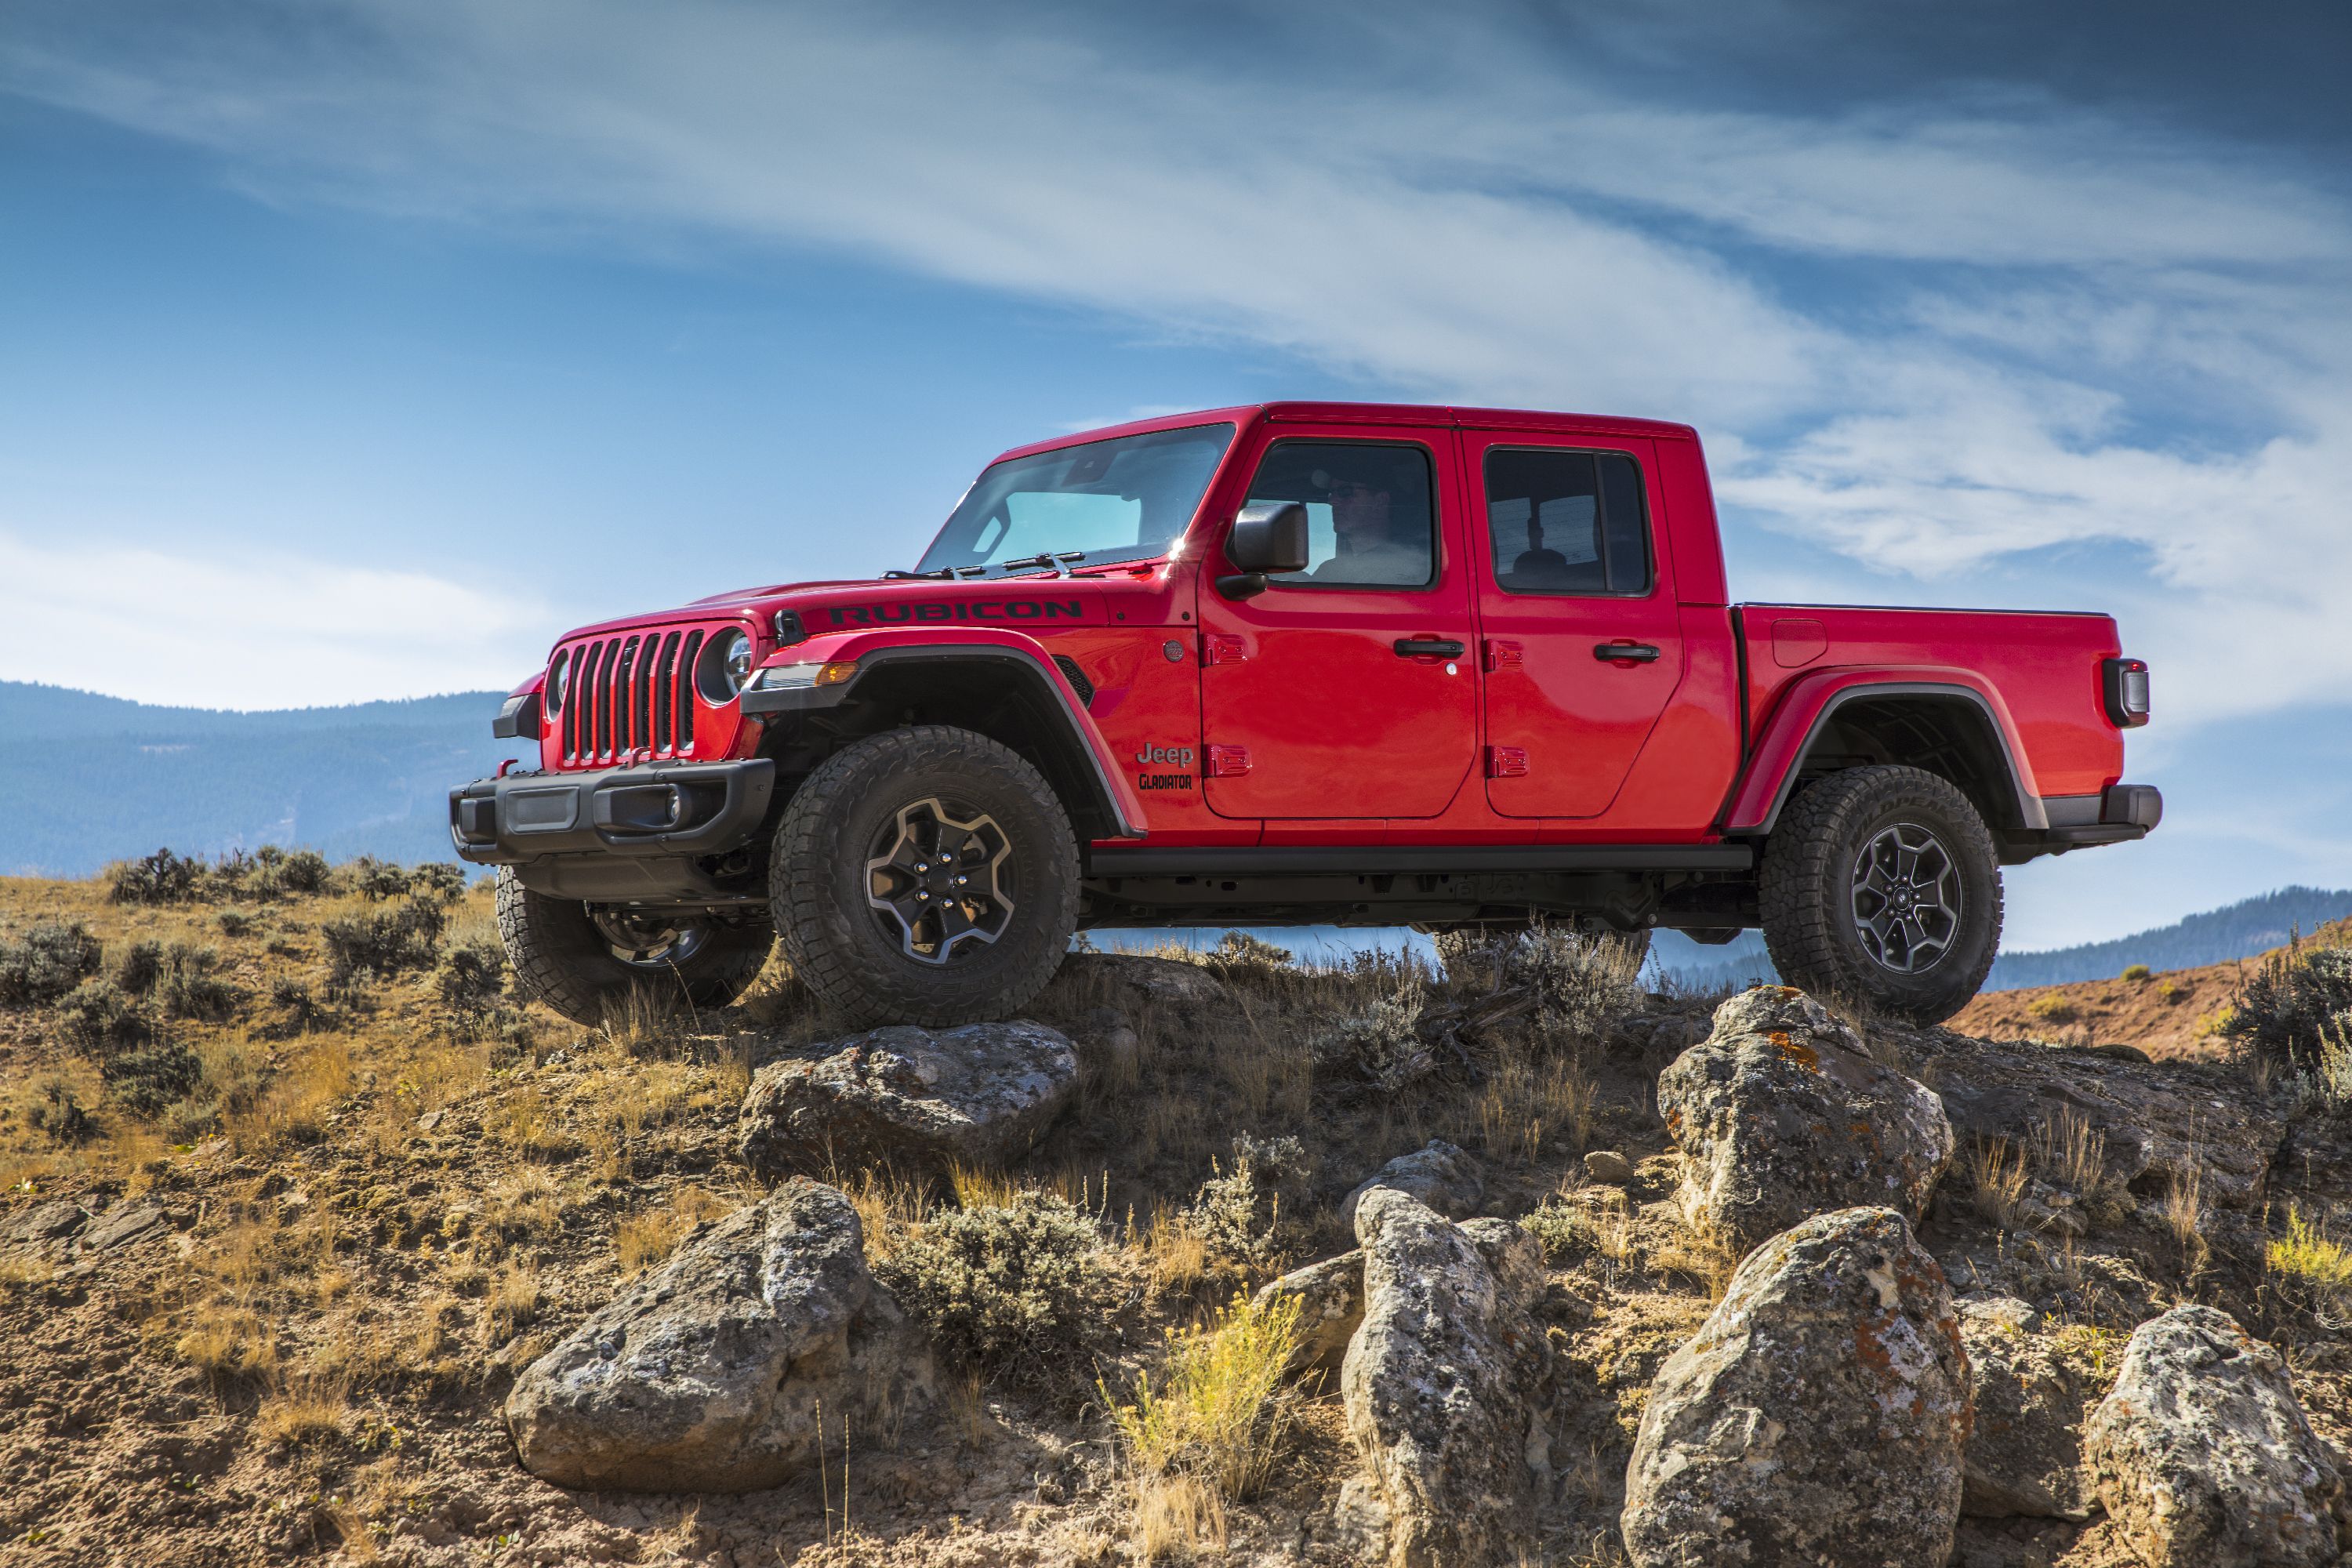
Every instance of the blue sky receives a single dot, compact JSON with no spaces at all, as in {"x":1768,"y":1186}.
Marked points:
{"x":354,"y":348}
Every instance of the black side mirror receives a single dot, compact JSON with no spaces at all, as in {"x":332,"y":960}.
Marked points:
{"x":1267,"y":536}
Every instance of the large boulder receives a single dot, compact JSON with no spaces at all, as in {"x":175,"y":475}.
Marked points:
{"x":712,"y":1372}
{"x":978,"y":1095}
{"x":2026,"y":1452}
{"x":1443,"y":1387}
{"x":1781,"y":1114}
{"x":2203,"y":1456}
{"x":2159,"y":1124}
{"x":1445,"y":1178}
{"x":1331,"y":1296}
{"x":1817,"y":1417}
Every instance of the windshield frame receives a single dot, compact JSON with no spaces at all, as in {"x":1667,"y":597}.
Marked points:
{"x":1072,"y":561}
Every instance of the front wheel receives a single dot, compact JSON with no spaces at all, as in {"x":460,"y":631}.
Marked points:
{"x":581,"y":958}
{"x":1880,"y":885}
{"x":925,"y":875}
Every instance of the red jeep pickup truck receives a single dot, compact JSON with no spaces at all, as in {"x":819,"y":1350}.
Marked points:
{"x":1304,"y":662}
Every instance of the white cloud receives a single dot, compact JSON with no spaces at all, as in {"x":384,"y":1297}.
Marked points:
{"x":256,"y":633}
{"x":1933,"y":338}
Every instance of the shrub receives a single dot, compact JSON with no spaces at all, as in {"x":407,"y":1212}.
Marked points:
{"x":99,"y":1018}
{"x":139,"y":967}
{"x":1238,"y":1217}
{"x":1240,"y":955}
{"x":1217,"y":1409}
{"x":51,"y":960}
{"x":2137,"y":972}
{"x":994,"y":1283}
{"x":60,"y":1114}
{"x":384,"y":943}
{"x":235,"y":923}
{"x":145,"y":1080}
{"x":2320,"y":1266}
{"x":162,"y":877}
{"x":2293,"y":1000}
{"x":304,"y":1010}
{"x":2052,"y":1009}
{"x":190,"y":988}
{"x":275,"y":873}
{"x":376,"y":880}
{"x":474,"y":975}
{"x":1383,"y":1043}
{"x":443,"y":880}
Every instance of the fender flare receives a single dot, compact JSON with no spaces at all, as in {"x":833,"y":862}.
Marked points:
{"x":1019,"y":657}
{"x":1808,"y":704}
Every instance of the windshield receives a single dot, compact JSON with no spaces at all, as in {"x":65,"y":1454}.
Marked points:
{"x":1127,"y":499}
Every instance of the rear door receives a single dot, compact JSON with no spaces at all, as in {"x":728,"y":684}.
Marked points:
{"x":1581,"y":643}
{"x":1348,"y":690}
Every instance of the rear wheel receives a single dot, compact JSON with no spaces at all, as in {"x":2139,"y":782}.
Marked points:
{"x":1880,"y":885}
{"x":925,"y":875}
{"x":580,"y":958}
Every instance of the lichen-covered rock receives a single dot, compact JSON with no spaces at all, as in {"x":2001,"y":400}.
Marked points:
{"x":1331,"y":1296}
{"x":1818,"y":1417}
{"x":1780,"y":1114}
{"x":1445,"y":1178}
{"x":2024,"y":1454}
{"x":1444,"y":1388}
{"x":978,"y":1095}
{"x":711,"y":1372}
{"x":2203,"y":1456}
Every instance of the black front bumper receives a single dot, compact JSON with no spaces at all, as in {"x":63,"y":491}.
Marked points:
{"x":632,"y":832}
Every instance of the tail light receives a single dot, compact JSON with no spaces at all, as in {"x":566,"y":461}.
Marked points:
{"x":2126,"y":692}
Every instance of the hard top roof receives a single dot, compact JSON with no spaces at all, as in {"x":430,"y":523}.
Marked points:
{"x":1371,"y":414}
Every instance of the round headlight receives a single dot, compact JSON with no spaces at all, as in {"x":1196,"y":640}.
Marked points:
{"x":559,"y":682}
{"x":725,"y":664}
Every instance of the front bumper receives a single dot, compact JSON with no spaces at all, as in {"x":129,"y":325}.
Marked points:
{"x":655,"y":810}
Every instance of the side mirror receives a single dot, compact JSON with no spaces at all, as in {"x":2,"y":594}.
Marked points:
{"x":1267,"y":536}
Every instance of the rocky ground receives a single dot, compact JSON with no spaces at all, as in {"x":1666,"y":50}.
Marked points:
{"x":315,"y":1245}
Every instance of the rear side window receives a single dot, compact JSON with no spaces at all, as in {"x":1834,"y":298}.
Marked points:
{"x":1372,"y":516}
{"x":1566,"y":522}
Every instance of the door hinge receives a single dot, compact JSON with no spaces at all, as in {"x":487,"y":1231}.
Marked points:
{"x":1220,"y":648}
{"x":1506,"y":762}
{"x":1228,"y":762}
{"x":1503,"y":655}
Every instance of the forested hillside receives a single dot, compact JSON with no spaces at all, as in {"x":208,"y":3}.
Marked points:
{"x":101,"y":779}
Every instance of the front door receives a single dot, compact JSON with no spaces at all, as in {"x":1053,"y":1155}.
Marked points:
{"x":1582,"y":643}
{"x":1349,"y":690}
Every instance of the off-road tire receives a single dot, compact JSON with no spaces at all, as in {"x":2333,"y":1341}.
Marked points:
{"x":561,"y":959}
{"x":1805,"y":886}
{"x":818,"y":880}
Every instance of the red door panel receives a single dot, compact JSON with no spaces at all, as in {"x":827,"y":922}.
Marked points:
{"x":1309,"y":711}
{"x":1568,"y":568}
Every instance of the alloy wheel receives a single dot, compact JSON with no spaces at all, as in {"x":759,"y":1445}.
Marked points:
{"x":938,"y":878}
{"x":1906,"y":898}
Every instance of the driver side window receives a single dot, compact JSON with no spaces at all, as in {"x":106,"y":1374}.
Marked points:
{"x":1371,"y":515}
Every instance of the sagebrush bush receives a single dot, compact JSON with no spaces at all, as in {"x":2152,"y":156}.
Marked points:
{"x":384,"y":943}
{"x":1383,"y":1043}
{"x":162,"y":877}
{"x":141,"y":966}
{"x":1001,"y":1282}
{"x":58,"y":1113}
{"x":146,"y":1079}
{"x":474,"y":975}
{"x":49,"y":961}
{"x":1239,"y":954}
{"x":191,"y":987}
{"x":97,"y":1018}
{"x":2292,"y":1002}
{"x":1238,"y":1215}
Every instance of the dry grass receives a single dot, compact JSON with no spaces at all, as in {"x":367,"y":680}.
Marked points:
{"x":1998,"y":1178}
{"x":513,"y":1302}
{"x":645,"y":1239}
{"x":2184,"y":1216}
{"x":303,"y":1407}
{"x":2070,"y":1153}
{"x":1178,"y":1519}
{"x":227,"y":1341}
{"x":1175,"y":1255}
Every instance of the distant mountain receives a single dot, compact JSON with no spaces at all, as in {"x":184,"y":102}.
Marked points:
{"x":100,"y":779}
{"x":2240,"y":930}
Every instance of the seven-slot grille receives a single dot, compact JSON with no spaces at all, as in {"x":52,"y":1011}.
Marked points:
{"x":631,"y":692}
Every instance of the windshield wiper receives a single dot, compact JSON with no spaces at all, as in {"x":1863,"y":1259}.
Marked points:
{"x":947,"y":573}
{"x":1043,"y":562}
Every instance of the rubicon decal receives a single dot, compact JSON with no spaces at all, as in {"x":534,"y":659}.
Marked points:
{"x":935,"y":611}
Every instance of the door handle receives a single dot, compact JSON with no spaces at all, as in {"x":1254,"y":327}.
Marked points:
{"x":1438,"y":647}
{"x":1631,"y":652}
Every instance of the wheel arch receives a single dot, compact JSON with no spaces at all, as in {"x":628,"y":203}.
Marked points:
{"x":1946,"y":725}
{"x":1014,"y":696}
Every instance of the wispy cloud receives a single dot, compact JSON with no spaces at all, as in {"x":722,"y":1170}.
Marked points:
{"x":252,"y":632}
{"x":1928,"y":338}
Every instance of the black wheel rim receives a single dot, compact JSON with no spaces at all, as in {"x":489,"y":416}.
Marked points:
{"x":1906,"y":899}
{"x":650,"y":941}
{"x":939,"y":877}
